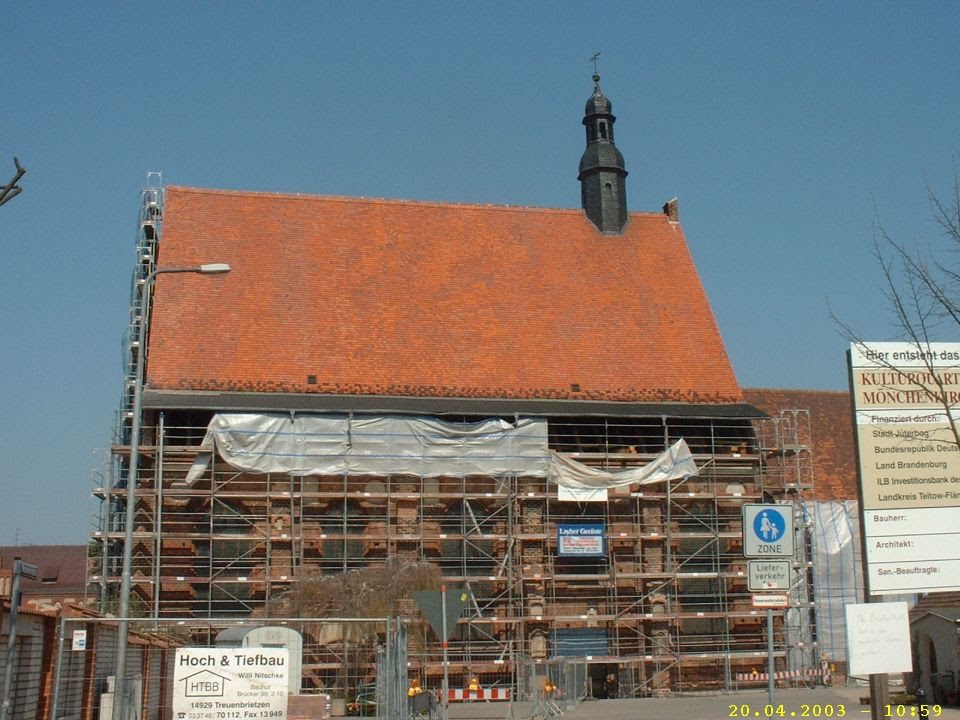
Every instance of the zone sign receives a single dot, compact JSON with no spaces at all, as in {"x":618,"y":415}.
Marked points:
{"x":767,"y":530}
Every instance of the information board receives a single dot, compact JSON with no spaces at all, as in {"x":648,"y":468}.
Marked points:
{"x":909,"y":464}
{"x":230,"y":683}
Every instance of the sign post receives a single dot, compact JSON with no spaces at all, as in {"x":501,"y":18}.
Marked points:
{"x":442,"y":610}
{"x":20,"y":569}
{"x":445,"y":703}
{"x":768,"y":533}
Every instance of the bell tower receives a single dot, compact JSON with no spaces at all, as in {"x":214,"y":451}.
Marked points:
{"x":603,"y":194}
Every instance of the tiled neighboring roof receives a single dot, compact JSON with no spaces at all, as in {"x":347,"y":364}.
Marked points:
{"x":63,"y":568}
{"x":938,"y":602}
{"x":831,"y":423}
{"x":383,"y":297}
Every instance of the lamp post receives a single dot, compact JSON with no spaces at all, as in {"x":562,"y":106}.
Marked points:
{"x":120,"y":689}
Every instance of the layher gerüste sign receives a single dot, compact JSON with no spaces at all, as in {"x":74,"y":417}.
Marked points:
{"x":581,"y":540}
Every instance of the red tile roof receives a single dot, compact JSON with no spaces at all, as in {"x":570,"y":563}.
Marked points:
{"x":831,"y":430}
{"x":385,"y":297}
{"x":62,"y":569}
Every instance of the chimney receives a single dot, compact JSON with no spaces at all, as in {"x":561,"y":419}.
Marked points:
{"x":672,"y":210}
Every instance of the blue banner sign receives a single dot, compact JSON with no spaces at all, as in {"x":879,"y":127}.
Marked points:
{"x":581,"y":540}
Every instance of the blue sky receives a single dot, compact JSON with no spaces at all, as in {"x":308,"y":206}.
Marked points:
{"x":785,"y":129}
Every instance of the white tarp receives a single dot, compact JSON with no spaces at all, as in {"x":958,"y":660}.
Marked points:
{"x":424,"y":447}
{"x":582,"y":483}
{"x":374,"y":445}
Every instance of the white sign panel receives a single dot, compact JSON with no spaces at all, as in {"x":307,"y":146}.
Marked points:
{"x":771,"y":601}
{"x":878,"y":638}
{"x":230,"y":683}
{"x":79,"y":641}
{"x":768,"y":530}
{"x":909,"y":464}
{"x":768,"y":575}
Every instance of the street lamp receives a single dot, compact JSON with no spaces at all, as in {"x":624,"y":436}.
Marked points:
{"x":120,"y":685}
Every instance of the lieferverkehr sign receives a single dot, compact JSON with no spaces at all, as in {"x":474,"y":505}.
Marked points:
{"x":230,"y":683}
{"x":764,"y":575}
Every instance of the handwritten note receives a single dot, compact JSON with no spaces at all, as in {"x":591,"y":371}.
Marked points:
{"x":878,"y":638}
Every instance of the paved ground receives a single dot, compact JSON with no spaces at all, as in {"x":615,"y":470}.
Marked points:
{"x":816,"y":703}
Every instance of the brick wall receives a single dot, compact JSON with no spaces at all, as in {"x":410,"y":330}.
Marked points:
{"x":831,"y":423}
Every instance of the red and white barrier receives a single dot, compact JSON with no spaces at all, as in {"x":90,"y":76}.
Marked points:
{"x":808,"y":674}
{"x":481,"y":694}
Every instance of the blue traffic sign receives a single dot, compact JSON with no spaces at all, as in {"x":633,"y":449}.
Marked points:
{"x":769,"y":526}
{"x":768,"y":530}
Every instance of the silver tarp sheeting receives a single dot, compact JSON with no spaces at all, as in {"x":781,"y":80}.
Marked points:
{"x":425,"y":447}
{"x":837,"y":570}
{"x":576,"y":481}
{"x":380,"y":445}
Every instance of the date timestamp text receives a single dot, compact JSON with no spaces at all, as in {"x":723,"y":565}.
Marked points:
{"x":829,"y":710}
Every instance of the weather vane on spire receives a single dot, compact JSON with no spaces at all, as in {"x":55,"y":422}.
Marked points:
{"x":593,"y":59}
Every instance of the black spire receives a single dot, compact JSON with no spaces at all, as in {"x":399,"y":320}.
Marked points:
{"x":603,"y":194}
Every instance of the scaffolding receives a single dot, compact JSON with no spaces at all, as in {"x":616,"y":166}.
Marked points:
{"x":664,"y":607}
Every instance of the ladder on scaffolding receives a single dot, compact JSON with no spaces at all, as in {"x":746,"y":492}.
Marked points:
{"x":149,"y":225}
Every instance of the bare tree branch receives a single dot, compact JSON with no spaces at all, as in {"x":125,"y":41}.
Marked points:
{"x":11,"y":189}
{"x":921,"y":287}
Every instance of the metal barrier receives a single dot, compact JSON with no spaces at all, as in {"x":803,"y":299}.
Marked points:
{"x":566,"y":676}
{"x":361,"y":664}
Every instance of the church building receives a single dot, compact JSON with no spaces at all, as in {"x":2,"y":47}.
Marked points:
{"x":537,"y":401}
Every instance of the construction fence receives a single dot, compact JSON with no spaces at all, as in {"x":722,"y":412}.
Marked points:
{"x":334,"y":666}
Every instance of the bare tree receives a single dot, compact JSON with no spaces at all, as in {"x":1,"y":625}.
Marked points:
{"x":921,"y":285}
{"x":373,"y":591}
{"x":376,"y":591}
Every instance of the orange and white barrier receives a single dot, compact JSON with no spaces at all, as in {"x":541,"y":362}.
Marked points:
{"x":481,"y":694}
